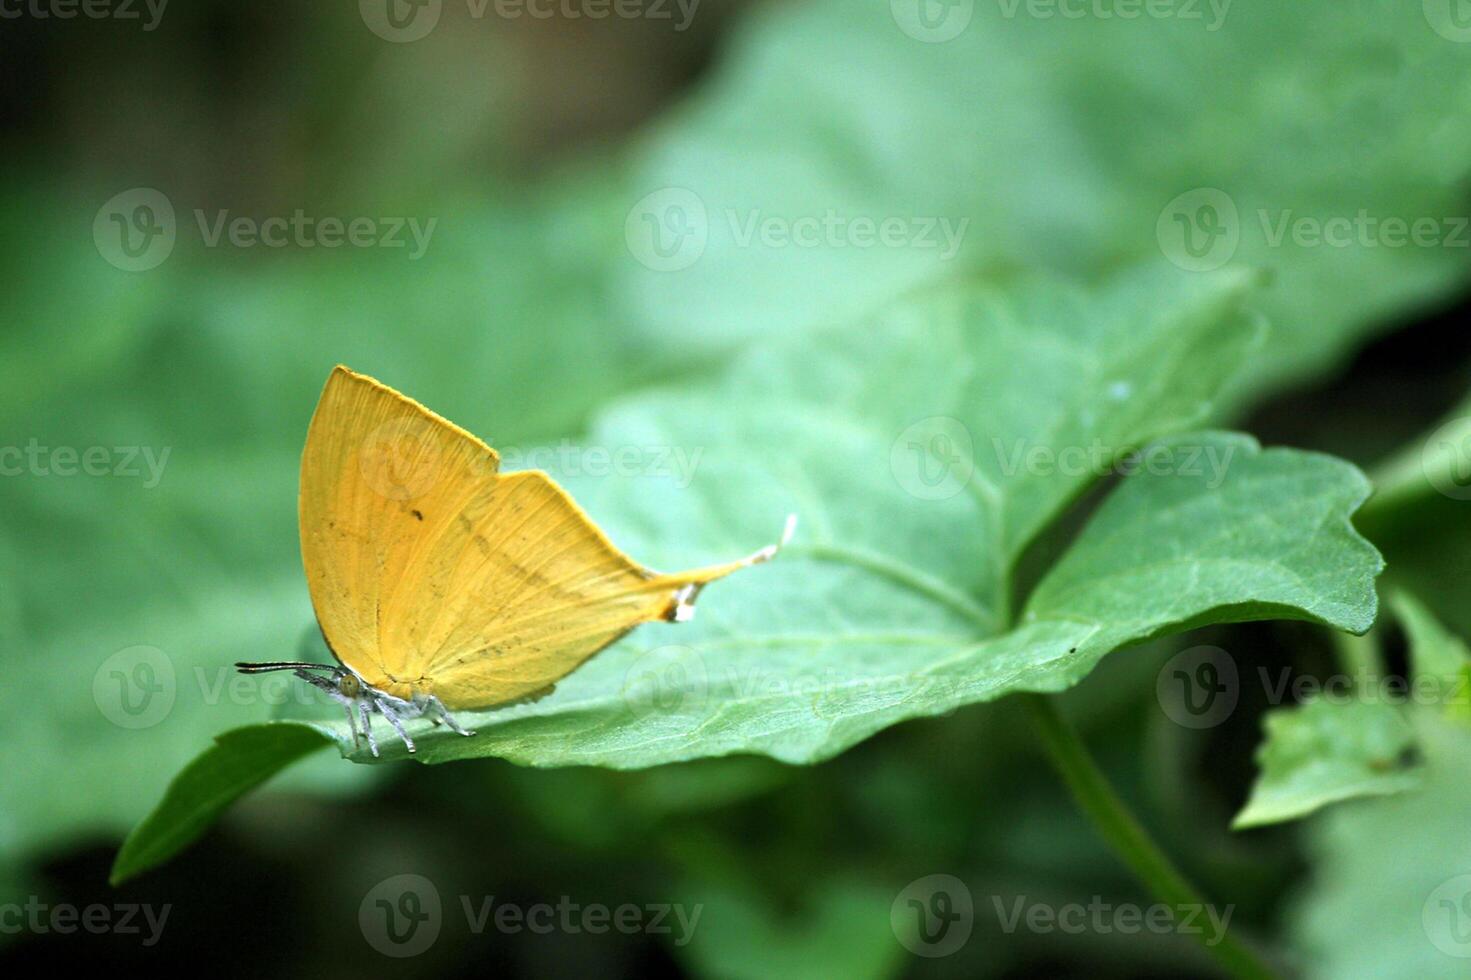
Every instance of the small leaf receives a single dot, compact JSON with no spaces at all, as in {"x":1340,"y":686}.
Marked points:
{"x":1391,"y":882}
{"x":1440,"y":660}
{"x":1324,"y":752}
{"x":239,"y":761}
{"x":1321,"y":753}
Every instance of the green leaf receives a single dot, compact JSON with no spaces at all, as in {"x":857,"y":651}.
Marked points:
{"x":1273,"y":539}
{"x":1061,"y":144}
{"x":894,"y":602}
{"x":891,"y":605}
{"x":239,"y":761}
{"x":1322,"y":752}
{"x":1440,"y":661}
{"x":1327,"y":751}
{"x":1388,"y":897}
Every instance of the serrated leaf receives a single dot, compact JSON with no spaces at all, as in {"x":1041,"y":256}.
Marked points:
{"x":1322,"y":753}
{"x":891,"y":605}
{"x":894,"y":602}
{"x":776,"y":701}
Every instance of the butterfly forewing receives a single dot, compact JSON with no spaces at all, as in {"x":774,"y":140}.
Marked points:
{"x":433,"y":573}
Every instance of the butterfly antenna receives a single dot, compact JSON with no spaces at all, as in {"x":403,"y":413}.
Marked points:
{"x":281,"y":665}
{"x":770,"y":551}
{"x":682,"y":610}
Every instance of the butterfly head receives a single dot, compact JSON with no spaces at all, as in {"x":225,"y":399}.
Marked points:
{"x":349,"y":685}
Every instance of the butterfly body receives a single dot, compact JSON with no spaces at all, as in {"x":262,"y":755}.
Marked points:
{"x":441,"y":583}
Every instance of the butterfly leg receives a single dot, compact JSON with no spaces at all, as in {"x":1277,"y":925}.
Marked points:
{"x":438,"y":712}
{"x":352,"y":726}
{"x":393,"y":720}
{"x":367,"y":717}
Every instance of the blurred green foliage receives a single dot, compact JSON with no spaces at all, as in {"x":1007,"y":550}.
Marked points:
{"x":1061,"y":143}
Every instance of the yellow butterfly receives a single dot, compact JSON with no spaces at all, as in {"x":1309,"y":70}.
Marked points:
{"x":440,"y":583}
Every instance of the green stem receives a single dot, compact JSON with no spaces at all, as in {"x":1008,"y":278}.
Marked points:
{"x":1127,"y":837}
{"x":1414,"y":474}
{"x":1358,"y":656}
